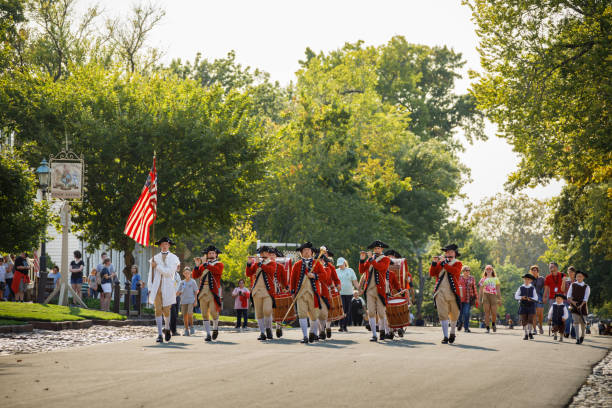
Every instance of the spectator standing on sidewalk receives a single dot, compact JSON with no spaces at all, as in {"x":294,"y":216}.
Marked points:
{"x":469,"y":297}
{"x":538,"y":283}
{"x":348,"y":282}
{"x":241,"y":305}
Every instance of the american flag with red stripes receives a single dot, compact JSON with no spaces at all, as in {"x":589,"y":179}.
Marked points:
{"x":144,"y":212}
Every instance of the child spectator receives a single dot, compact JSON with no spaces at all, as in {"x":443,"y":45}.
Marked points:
{"x":92,"y":279}
{"x":578,"y":296}
{"x":557,"y":314}
{"x":241,"y":304}
{"x":55,"y":275}
{"x":187,"y":290}
{"x":528,"y":298}
{"x":357,"y":309}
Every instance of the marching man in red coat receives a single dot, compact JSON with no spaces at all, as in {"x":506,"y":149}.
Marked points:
{"x":374,"y":267}
{"x":329,"y":286}
{"x":210,"y":288}
{"x":446,"y":296}
{"x":306,"y":288}
{"x":280,"y":281}
{"x":263,"y":289}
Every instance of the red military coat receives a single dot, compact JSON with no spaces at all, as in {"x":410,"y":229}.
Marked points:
{"x":454,"y":272}
{"x":377,"y":266}
{"x":267,"y":274}
{"x":214,"y":270}
{"x":297,"y":278}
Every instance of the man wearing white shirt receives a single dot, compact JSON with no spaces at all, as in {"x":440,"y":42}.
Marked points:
{"x":161,"y":284}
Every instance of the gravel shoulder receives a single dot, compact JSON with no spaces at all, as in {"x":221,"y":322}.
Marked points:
{"x":480,"y":370}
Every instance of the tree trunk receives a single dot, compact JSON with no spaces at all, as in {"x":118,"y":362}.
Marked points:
{"x":129,"y":260}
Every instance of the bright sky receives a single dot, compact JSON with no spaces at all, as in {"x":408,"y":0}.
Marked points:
{"x":273,"y":34}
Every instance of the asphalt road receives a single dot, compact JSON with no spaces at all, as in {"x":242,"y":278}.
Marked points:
{"x":480,"y":370}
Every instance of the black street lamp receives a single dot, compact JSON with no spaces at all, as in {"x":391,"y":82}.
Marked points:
{"x":43,"y":172}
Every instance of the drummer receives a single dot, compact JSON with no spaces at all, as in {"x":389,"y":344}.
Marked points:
{"x":306,"y":288}
{"x":396,"y":290}
{"x":261,"y":271}
{"x":334,"y":284}
{"x":280,"y":281}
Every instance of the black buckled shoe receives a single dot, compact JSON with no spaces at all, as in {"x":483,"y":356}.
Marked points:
{"x":374,"y":338}
{"x":304,"y":340}
{"x":389,"y":335}
{"x":167,"y":334}
{"x":526,"y":337}
{"x":578,"y":340}
{"x":445,"y":340}
{"x":328,"y":332}
{"x":581,"y":339}
{"x":262,"y":337}
{"x":530,"y":336}
{"x":382,"y":334}
{"x":400,"y":332}
{"x":322,"y":335}
{"x":494,"y":327}
{"x":208,"y":338}
{"x":451,"y":338}
{"x":488,"y":329}
{"x":160,"y":339}
{"x":269,"y":334}
{"x":459,"y":326}
{"x":215,"y":334}
{"x":279,"y":332}
{"x":311,"y":337}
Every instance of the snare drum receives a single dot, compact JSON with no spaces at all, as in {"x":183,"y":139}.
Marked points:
{"x":283,"y":302}
{"x":398,"y":314}
{"x":336,"y":312}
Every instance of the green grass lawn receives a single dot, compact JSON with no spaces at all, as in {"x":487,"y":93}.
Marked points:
{"x":51,"y":313}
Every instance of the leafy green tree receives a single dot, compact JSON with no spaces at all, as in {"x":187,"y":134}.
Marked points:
{"x":23,"y":219}
{"x":546,"y":84}
{"x":242,"y":240}
{"x":516,"y":224}
{"x":210,"y":148}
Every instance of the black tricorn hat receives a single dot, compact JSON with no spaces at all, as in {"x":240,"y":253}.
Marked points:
{"x":561,"y":295}
{"x":211,"y":248}
{"x":378,"y":243}
{"x":452,"y":247}
{"x":583,"y":274}
{"x":264,"y":248}
{"x":305,"y":245}
{"x":164,"y":239}
{"x":528,"y":275}
{"x":330,"y":253}
{"x":277,"y":252}
{"x":392,"y":252}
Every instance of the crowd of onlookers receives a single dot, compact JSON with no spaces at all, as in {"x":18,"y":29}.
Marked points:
{"x":14,"y":276}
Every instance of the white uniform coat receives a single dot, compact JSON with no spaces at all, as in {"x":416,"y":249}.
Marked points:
{"x":164,"y":273}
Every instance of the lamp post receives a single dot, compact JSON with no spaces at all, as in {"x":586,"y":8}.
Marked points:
{"x":43,"y":172}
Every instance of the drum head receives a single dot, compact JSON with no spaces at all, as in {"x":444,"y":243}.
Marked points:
{"x":397,"y":301}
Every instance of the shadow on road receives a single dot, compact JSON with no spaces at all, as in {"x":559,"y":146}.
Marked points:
{"x":227,"y":343}
{"x":172,"y":345}
{"x":470,"y":347}
{"x":406,"y":343}
{"x":325,"y":344}
{"x":338,"y":341}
